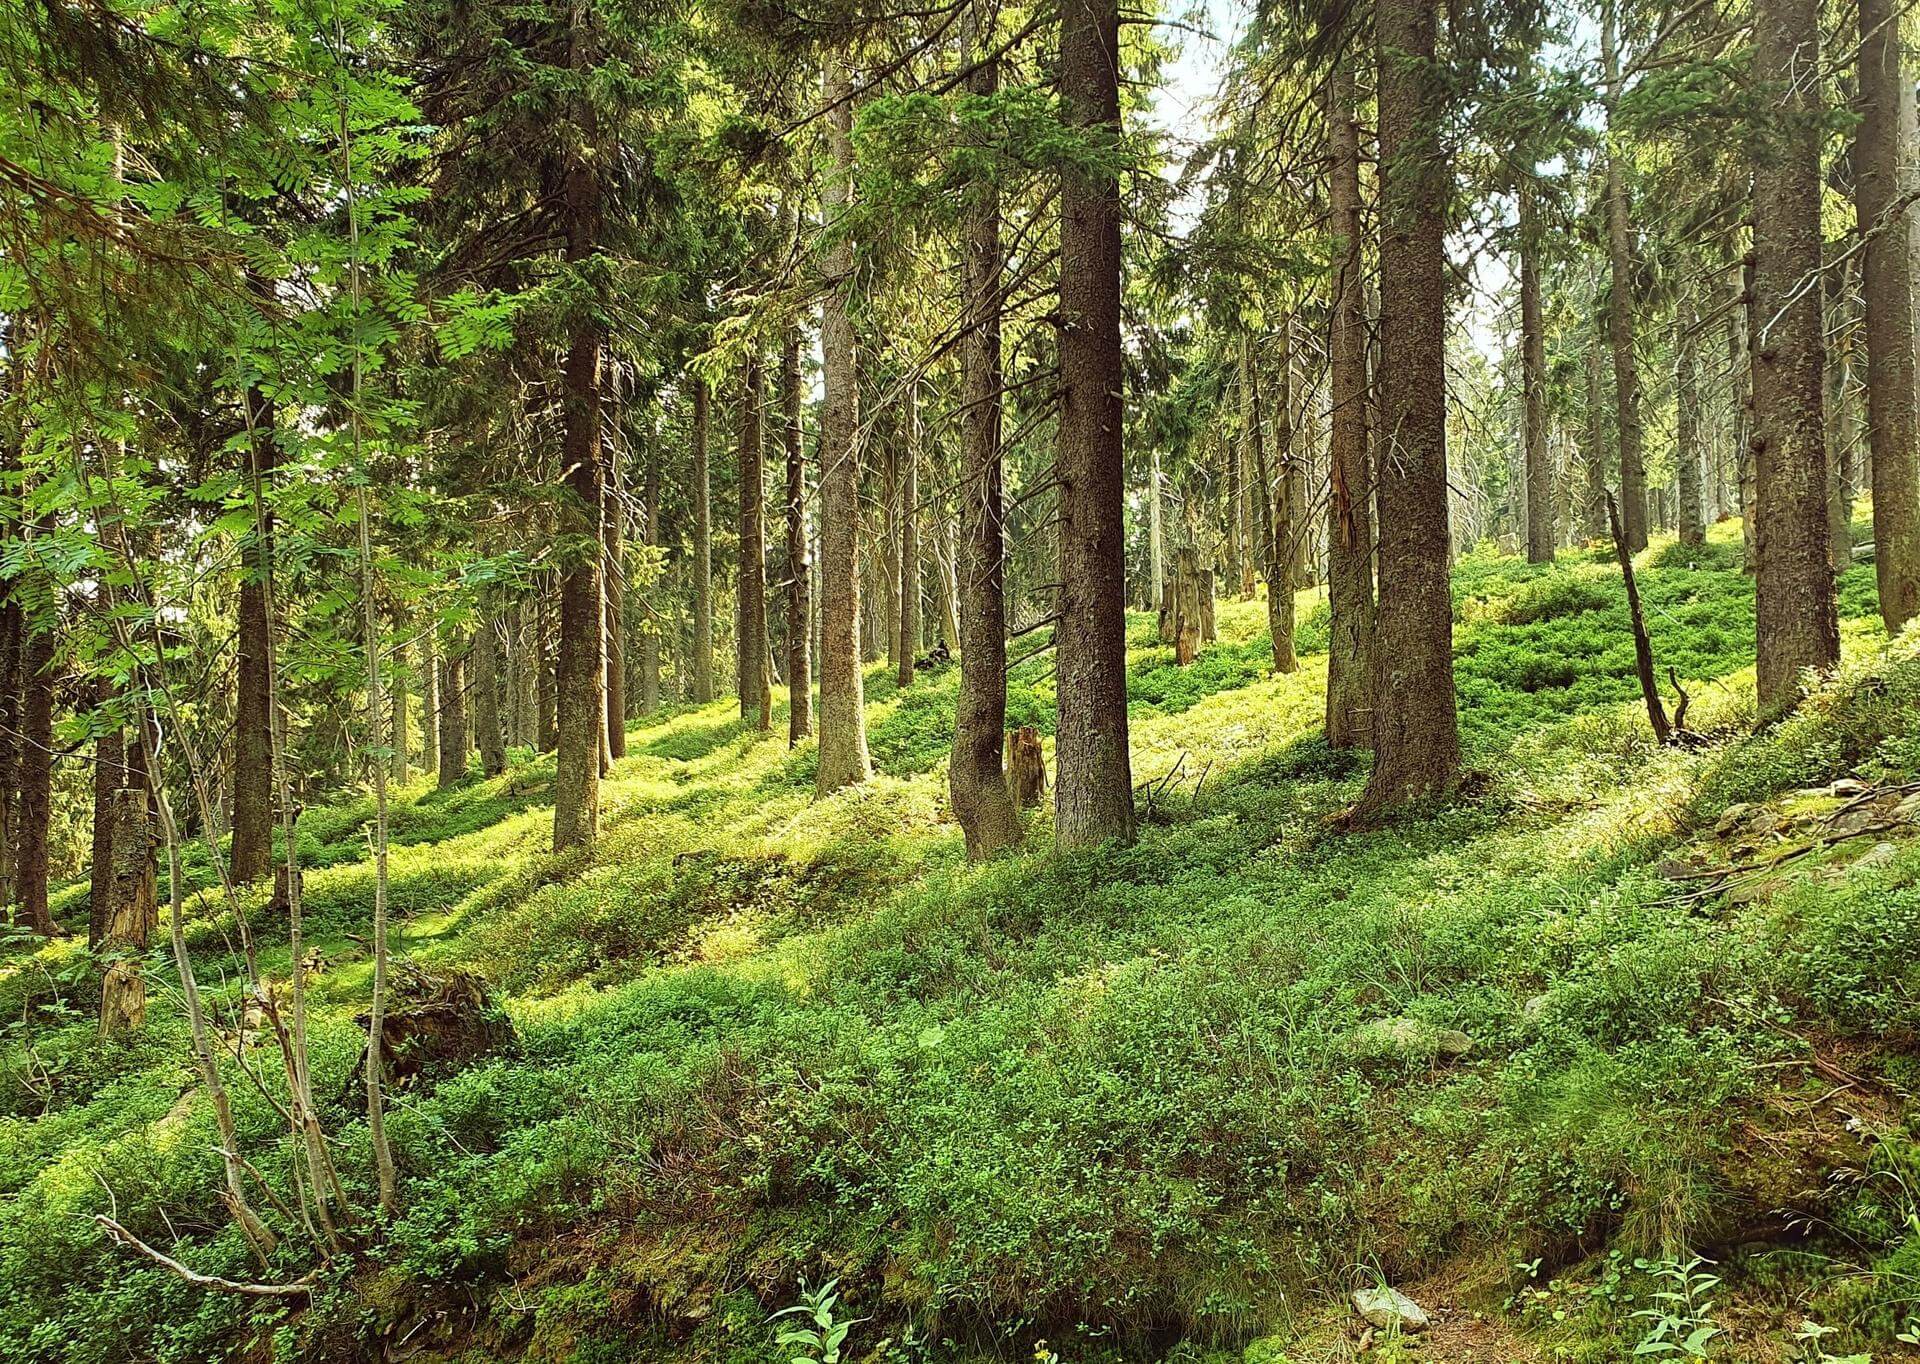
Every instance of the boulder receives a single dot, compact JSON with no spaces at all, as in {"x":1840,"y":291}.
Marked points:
{"x":1387,"y":1308}
{"x":1731,"y":818}
{"x":1406,"y":1039}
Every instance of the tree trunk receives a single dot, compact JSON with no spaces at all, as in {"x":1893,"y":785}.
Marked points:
{"x":1533,"y":383}
{"x":13,"y":650}
{"x":613,"y":592}
{"x":1093,"y":789}
{"x":756,"y":693}
{"x":579,"y":678}
{"x":430,"y":703}
{"x":649,"y":616}
{"x":401,"y":764}
{"x":1416,"y":735}
{"x":453,"y":712}
{"x":109,"y":774}
{"x":909,"y":594}
{"x":484,"y":684}
{"x":1796,"y":617}
{"x":843,"y":721}
{"x":1349,"y":470}
{"x":1881,"y":149}
{"x":251,"y":852}
{"x":981,"y":801}
{"x":1740,"y":367}
{"x":702,"y":661}
{"x":1839,"y":377}
{"x":1686,"y":429}
{"x":30,"y":856}
{"x":1626,"y":377}
{"x":1275,"y":532}
{"x":132,"y":909}
{"x":544,"y":690}
{"x":1156,"y":528}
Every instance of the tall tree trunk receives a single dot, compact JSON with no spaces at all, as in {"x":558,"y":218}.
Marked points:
{"x":909,"y":594}
{"x":430,"y":704}
{"x":1626,"y":374}
{"x":30,"y":856}
{"x":401,"y":764}
{"x":976,"y":781}
{"x":1156,"y":529}
{"x":756,"y":693}
{"x":702,"y":662}
{"x":1274,"y":533}
{"x":843,"y":721}
{"x":544,"y":685}
{"x":453,"y":712}
{"x":1686,"y":429}
{"x":1796,"y":616}
{"x":1740,"y":370}
{"x":251,"y":852}
{"x":483,"y":682}
{"x":109,"y":773}
{"x":799,"y":561}
{"x":1839,"y":377}
{"x":613,"y":591}
{"x":1533,"y":383}
{"x":650,"y":617}
{"x":1093,"y":793}
{"x":579,"y":698}
{"x":1881,"y":176}
{"x":1349,"y":469}
{"x":13,"y":651}
{"x":131,"y":910}
{"x":1416,"y":730}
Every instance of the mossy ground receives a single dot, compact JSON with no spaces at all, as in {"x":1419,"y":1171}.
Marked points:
{"x":1106,"y":1099}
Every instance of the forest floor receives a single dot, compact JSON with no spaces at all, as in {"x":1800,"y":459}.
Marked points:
{"x":1623,"y":1022}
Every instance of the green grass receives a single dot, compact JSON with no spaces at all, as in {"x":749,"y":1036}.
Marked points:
{"x":1105,"y":1097}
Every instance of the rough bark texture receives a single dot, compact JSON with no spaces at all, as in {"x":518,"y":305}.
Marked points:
{"x":35,"y":808}
{"x":401,"y":763}
{"x":251,"y":852}
{"x":484,"y":685}
{"x":1349,"y":470}
{"x":799,"y":560}
{"x":843,"y":721}
{"x":613,"y":593}
{"x":132,"y":908}
{"x":1533,"y":383}
{"x":978,"y":788}
{"x":453,"y":712}
{"x":908,"y":631}
{"x":1274,"y":528}
{"x":13,"y":648}
{"x":756,"y":693}
{"x":700,"y":667}
{"x":430,"y":703}
{"x":1692,"y":517}
{"x":578,"y":673}
{"x":649,"y":618}
{"x":1881,"y":147}
{"x":1093,"y":789}
{"x":1415,"y":733}
{"x":1626,"y":374}
{"x":1796,"y":617}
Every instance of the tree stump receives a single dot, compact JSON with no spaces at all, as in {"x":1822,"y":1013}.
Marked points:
{"x":1026,"y":767}
{"x":132,"y":909}
{"x":433,"y":1026}
{"x":1187,"y":597}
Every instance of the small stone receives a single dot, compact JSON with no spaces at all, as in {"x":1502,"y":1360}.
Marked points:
{"x":1909,"y":809}
{"x":1385,"y":1308}
{"x":1731,"y":817}
{"x":1762,"y":824}
{"x":1406,"y":1039}
{"x":1673,"y":869}
{"x":1535,"y":1008}
{"x":1877,"y":856}
{"x":1853,"y":822}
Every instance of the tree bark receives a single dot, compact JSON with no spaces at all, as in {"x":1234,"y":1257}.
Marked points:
{"x":908,"y":632}
{"x":132,"y":909}
{"x":402,"y":734}
{"x":976,"y":780}
{"x":1349,"y":470}
{"x":579,"y":698}
{"x":799,"y":560}
{"x":484,"y":683}
{"x":1416,"y":734}
{"x":1796,"y":617}
{"x":1626,"y":375}
{"x":649,"y":616}
{"x":1093,"y":789}
{"x":1533,"y":383}
{"x":13,"y":649}
{"x":1274,"y":533}
{"x":109,"y":772}
{"x":843,"y":721}
{"x":756,"y":693}
{"x":430,"y":704}
{"x":702,"y":661}
{"x":1686,"y":430}
{"x":453,"y":712}
{"x":251,"y":851}
{"x":544,"y":684}
{"x":613,"y":592}
{"x":1881,"y":149}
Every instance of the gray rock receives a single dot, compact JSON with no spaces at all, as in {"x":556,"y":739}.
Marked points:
{"x":1854,"y":821}
{"x":1848,"y":786}
{"x":1406,"y":1039}
{"x":1385,"y":1308}
{"x":1731,"y":817}
{"x":1877,"y":856}
{"x":1909,"y":809}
